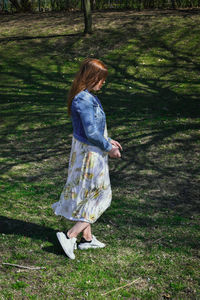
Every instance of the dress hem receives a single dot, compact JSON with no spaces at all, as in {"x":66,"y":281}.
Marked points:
{"x":73,"y":219}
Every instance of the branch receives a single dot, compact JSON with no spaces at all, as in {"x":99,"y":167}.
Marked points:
{"x":121,"y":287}
{"x":153,"y":242}
{"x":24,"y":267}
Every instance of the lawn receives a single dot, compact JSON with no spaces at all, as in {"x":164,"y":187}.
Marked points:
{"x":152,"y":103}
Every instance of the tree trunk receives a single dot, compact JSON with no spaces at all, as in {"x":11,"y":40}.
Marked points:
{"x":173,"y":4}
{"x":92,"y":2}
{"x":67,"y":4}
{"x":87,"y":16}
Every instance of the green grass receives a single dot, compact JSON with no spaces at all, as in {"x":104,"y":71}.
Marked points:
{"x":151,"y":99}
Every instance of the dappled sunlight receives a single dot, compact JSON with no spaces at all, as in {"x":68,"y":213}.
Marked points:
{"x":148,"y":92}
{"x":151,"y":100}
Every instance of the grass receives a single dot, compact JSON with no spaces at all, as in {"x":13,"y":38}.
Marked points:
{"x":151,"y":99}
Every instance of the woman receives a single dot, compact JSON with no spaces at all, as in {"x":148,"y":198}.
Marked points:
{"x":87,"y":192}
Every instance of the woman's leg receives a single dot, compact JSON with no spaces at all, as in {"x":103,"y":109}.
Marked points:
{"x":87,"y":233}
{"x":77,"y":228}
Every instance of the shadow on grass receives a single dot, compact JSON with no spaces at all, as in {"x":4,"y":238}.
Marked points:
{"x":24,"y":38}
{"x":31,"y":230}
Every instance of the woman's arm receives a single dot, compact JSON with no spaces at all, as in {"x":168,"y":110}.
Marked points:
{"x":85,"y":109}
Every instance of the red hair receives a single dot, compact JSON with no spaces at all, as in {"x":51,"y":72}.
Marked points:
{"x":90,"y":73}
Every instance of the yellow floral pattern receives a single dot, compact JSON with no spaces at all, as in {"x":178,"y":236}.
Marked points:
{"x":87,"y":192}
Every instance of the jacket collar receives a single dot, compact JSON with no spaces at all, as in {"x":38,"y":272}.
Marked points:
{"x":96,"y":98}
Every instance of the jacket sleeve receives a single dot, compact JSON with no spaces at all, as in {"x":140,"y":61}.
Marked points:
{"x":85,"y":108}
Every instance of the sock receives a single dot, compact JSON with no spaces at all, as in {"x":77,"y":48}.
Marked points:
{"x":83,"y":240}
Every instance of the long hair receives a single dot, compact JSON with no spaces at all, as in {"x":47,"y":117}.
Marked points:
{"x":90,"y":73}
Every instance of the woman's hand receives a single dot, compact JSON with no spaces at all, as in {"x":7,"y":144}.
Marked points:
{"x":114,"y":152}
{"x":116,"y":144}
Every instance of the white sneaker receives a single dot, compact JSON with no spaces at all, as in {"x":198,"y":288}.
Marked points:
{"x":93,"y":244}
{"x":68,"y":245}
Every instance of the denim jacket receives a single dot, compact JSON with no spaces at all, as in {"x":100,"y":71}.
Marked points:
{"x":89,"y":120}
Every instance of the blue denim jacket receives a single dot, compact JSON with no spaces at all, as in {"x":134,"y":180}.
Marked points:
{"x":89,"y":120}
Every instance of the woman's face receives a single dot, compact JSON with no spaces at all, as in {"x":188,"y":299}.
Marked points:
{"x":98,"y":86}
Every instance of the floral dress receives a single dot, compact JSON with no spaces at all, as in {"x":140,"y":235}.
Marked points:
{"x":87,"y":192}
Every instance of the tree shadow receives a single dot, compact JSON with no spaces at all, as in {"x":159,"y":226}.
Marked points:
{"x":24,"y":38}
{"x":151,"y":113}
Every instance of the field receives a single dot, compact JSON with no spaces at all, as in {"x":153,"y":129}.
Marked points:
{"x":151,"y":99}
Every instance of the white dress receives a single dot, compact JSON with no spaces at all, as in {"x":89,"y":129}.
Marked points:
{"x":87,"y":192}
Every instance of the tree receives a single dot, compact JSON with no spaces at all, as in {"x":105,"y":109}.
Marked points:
{"x":173,"y":4}
{"x":22,"y":5}
{"x":87,"y":16}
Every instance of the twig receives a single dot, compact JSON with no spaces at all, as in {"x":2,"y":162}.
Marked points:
{"x":153,"y":242}
{"x":113,"y":223}
{"x":24,"y":267}
{"x":121,"y":287}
